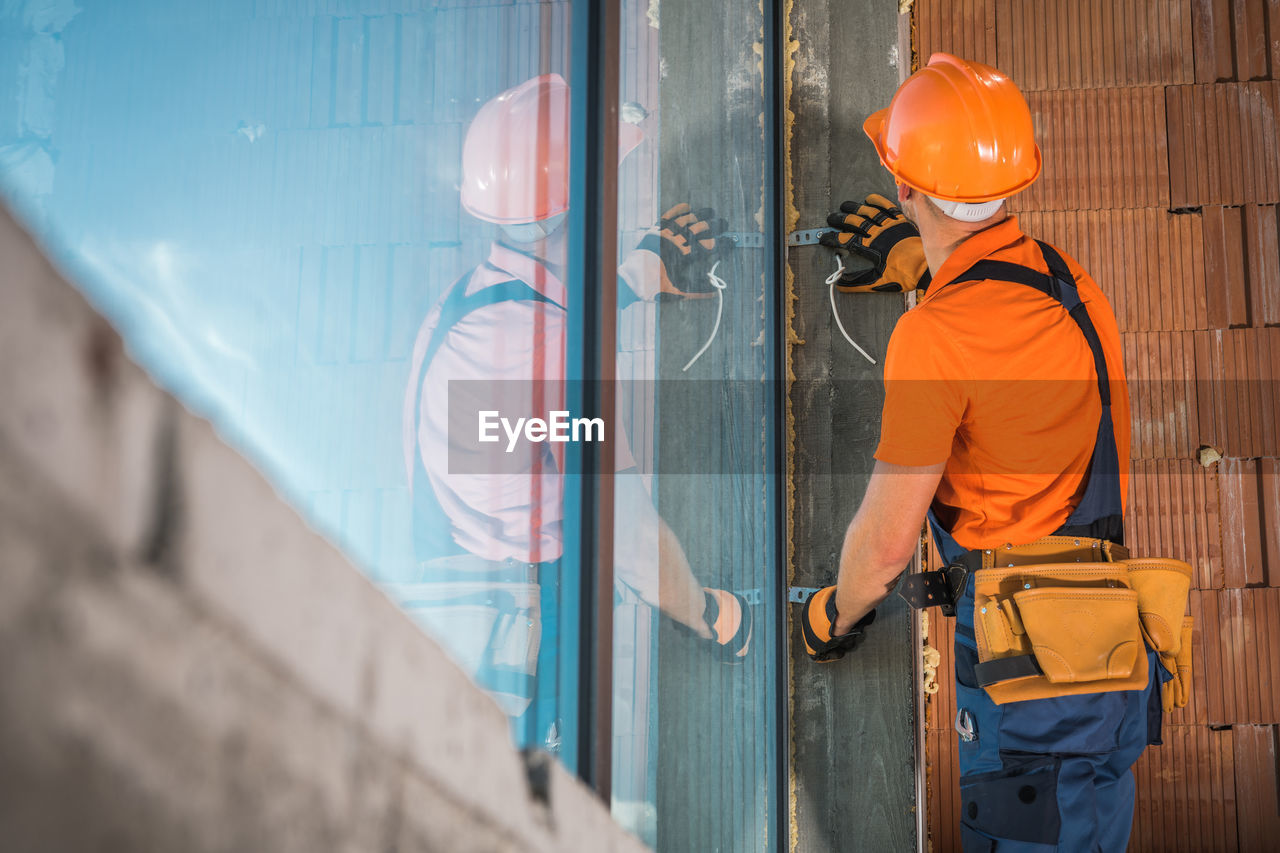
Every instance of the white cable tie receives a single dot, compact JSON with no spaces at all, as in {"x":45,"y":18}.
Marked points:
{"x":719,"y":284}
{"x":831,"y":289}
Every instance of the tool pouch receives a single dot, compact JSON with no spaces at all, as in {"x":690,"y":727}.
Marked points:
{"x":1056,"y":629}
{"x":1080,"y":635}
{"x":1177,"y":691}
{"x":1162,"y":586}
{"x":1070,"y":626}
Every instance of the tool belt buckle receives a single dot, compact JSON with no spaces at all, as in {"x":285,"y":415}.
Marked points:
{"x":942,"y":588}
{"x":957,"y":579}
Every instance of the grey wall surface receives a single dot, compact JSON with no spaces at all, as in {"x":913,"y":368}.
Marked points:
{"x":185,"y":666}
{"x":853,"y":721}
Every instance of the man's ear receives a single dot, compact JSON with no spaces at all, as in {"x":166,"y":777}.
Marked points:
{"x":907,"y":195}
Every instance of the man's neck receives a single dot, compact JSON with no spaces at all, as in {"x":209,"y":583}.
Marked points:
{"x":943,"y":236}
{"x":937,"y":250}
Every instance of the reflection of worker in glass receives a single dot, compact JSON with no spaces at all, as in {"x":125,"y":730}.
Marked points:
{"x":489,"y":544}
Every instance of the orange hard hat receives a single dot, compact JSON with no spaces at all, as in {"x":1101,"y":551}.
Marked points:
{"x":515,"y":158}
{"x":958,"y":131}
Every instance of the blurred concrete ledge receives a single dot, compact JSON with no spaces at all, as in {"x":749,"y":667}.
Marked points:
{"x":184,"y":665}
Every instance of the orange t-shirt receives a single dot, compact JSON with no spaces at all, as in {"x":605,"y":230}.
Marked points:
{"x":996,"y":379}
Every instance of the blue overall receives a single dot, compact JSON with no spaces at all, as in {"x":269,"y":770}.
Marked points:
{"x":432,"y":538}
{"x":1051,"y":774}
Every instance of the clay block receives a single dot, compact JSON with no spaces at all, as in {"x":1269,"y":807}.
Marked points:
{"x":1258,"y":802}
{"x":1241,"y":525}
{"x":1269,"y":514}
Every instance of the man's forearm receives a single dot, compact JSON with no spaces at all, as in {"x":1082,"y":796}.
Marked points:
{"x":867,"y":574}
{"x":882,"y":537}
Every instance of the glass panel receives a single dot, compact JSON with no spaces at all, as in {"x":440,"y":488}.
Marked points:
{"x":307,"y":217}
{"x":695,"y":722}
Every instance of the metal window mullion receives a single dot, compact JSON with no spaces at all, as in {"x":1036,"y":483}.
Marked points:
{"x":593,"y":217}
{"x":775,"y":264}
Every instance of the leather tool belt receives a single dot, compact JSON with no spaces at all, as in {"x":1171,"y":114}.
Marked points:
{"x":1064,"y":615}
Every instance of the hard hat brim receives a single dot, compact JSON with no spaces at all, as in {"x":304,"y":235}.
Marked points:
{"x":874,"y":127}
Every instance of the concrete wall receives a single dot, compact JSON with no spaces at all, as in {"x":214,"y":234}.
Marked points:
{"x":853,"y":722}
{"x":185,"y":666}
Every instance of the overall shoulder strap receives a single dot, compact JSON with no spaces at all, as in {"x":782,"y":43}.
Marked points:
{"x":458,"y":304}
{"x":1059,"y":285}
{"x":1100,"y":513}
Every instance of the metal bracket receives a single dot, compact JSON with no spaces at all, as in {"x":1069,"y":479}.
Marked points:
{"x":800,"y":594}
{"x":745,"y":239}
{"x":807,"y":236}
{"x":796,"y":594}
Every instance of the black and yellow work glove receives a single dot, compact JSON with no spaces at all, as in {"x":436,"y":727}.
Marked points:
{"x":817,"y":621}
{"x":686,"y":240}
{"x":877,"y":230}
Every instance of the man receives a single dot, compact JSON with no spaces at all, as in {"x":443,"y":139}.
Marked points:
{"x":487,"y":523}
{"x":1005,"y":420}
